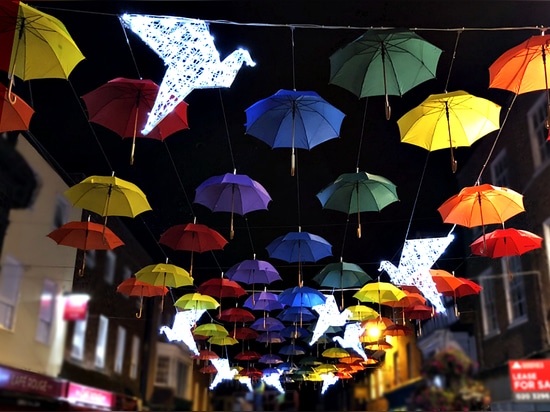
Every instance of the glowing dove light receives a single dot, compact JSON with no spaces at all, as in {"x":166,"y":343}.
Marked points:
{"x":224,"y":371}
{"x":274,"y":380}
{"x":329,"y":379}
{"x":417,"y":257}
{"x":245,"y":380}
{"x":181,"y":328}
{"x":329,"y":315}
{"x":192,"y":61}
{"x":351,"y":339}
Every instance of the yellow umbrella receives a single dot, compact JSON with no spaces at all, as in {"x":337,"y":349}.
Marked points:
{"x":196,"y":301}
{"x":325,"y":368}
{"x":362,"y":312}
{"x":211,"y":330}
{"x":379,"y":292}
{"x":164,"y":274}
{"x":223,"y":340}
{"x":449,"y":120}
{"x":335,"y":353}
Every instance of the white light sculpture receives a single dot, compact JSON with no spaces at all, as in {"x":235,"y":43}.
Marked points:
{"x":274,"y":379}
{"x":245,"y":380}
{"x":224,"y":371}
{"x":329,"y":315}
{"x":329,"y":379}
{"x":417,"y":258}
{"x":181,"y":329}
{"x":351,"y":339}
{"x":192,"y":61}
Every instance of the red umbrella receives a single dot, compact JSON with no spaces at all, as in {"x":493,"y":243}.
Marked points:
{"x":236,"y":315}
{"x":193,"y":237}
{"x":206,"y":354}
{"x":398,"y":330}
{"x":85,"y":236}
{"x":245,"y":333}
{"x":419,"y":312}
{"x":248,"y":355}
{"x":445,"y":282}
{"x":123,"y":105}
{"x":134,"y":287}
{"x":251,"y":372}
{"x":208,"y":369}
{"x":221,"y":288}
{"x":506,"y":242}
{"x":468,"y":288}
{"x":15,"y":113}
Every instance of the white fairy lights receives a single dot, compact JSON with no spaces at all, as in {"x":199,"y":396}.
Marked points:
{"x":351,"y":339}
{"x":224,"y":371}
{"x":274,"y":379}
{"x":192,"y":61}
{"x":417,"y":258}
{"x":329,"y":315}
{"x":181,"y":329}
{"x":329,"y":379}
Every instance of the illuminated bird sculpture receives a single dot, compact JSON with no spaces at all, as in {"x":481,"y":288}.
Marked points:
{"x":417,"y":258}
{"x":224,"y":371}
{"x":351,"y":339}
{"x":192,"y":61}
{"x":181,"y":329}
{"x":329,"y":315}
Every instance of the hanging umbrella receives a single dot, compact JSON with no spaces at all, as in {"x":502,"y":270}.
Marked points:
{"x":85,"y":236}
{"x":133,"y":287}
{"x":419,"y":312}
{"x":208,"y":369}
{"x":193,"y":237}
{"x":270,"y":337}
{"x":379,"y":292}
{"x":267,"y":325}
{"x":384,"y":62}
{"x":236,"y":315}
{"x":299,"y":247}
{"x":248,"y":355}
{"x":335,"y":353}
{"x":15,"y":113}
{"x":481,"y":205}
{"x":295,"y":332}
{"x":123,"y":106}
{"x":251,"y":372}
{"x":445,"y":282}
{"x":266,"y":301}
{"x":292,"y":349}
{"x":221,"y":288}
{"x":301,"y":296}
{"x":310,"y":361}
{"x":358,"y":192}
{"x":398,"y":330}
{"x":468,"y":288}
{"x":196,"y":301}
{"x":36,"y":45}
{"x":206,"y":354}
{"x":449,"y":120}
{"x":108,"y":196}
{"x":362,"y":312}
{"x":232,"y":193}
{"x":164,"y":274}
{"x":270,"y":359}
{"x":296,"y":314}
{"x":293,"y":119}
{"x":253,"y":271}
{"x":223,"y":340}
{"x":211,"y":330}
{"x":410,"y":299}
{"x":245,"y":333}
{"x":506,"y":242}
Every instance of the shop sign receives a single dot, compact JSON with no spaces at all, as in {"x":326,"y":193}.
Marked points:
{"x":76,"y":306}
{"x":29,"y":382}
{"x":77,"y":393}
{"x":530,"y":380}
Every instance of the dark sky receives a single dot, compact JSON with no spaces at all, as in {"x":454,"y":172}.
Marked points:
{"x":168,"y":172}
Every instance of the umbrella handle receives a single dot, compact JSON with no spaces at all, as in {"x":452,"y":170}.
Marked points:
{"x":388,"y":109}
{"x":81,"y":270}
{"x":134,"y":138}
{"x":292,"y":163}
{"x":11,"y":96}
{"x":138,"y":315}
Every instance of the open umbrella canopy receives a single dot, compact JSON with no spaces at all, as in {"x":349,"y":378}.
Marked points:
{"x":236,"y":315}
{"x":362,"y":312}
{"x":244,"y":333}
{"x":221,"y":288}
{"x":193,"y":237}
{"x":196,"y":301}
{"x":211,"y":329}
{"x":266,"y":301}
{"x":252,"y":271}
{"x":206,"y":354}
{"x":248,"y":355}
{"x":506,"y":242}
{"x":342,"y":275}
{"x":296,"y":314}
{"x":295,"y":332}
{"x":379,"y":292}
{"x":133,"y":287}
{"x":335,"y":353}
{"x":299,"y":247}
{"x":270,"y":359}
{"x":15,"y":113}
{"x":85,"y":236}
{"x":267,"y":324}
{"x":419,"y":312}
{"x":292,"y":349}
{"x":384,"y":62}
{"x":445,"y":282}
{"x":222,"y":340}
{"x":270,"y":337}
{"x":164,"y":274}
{"x":301,"y":296}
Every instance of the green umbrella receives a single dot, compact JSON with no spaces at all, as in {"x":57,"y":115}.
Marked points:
{"x":358,"y":192}
{"x":384,"y":62}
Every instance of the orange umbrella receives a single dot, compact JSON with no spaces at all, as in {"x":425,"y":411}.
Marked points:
{"x":411,"y":299}
{"x":15,"y":113}
{"x":445,"y":282}
{"x":506,"y":242}
{"x":134,"y":287}
{"x":397,"y":330}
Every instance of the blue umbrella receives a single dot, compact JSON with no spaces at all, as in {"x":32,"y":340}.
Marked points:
{"x":299,"y":247}
{"x":296,"y":314}
{"x":267,"y":325}
{"x":295,"y":332}
{"x":292,"y":349}
{"x":270,"y":337}
{"x":295,"y":119}
{"x":233,"y":193}
{"x":266,"y":301}
{"x":301,"y":296}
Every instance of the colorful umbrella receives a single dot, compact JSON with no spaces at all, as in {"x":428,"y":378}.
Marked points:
{"x":85,"y":236}
{"x":221,"y":288}
{"x":232,"y":193}
{"x":295,"y":332}
{"x":379,"y":292}
{"x":362,"y":312}
{"x":419,"y":312}
{"x":164,"y":274}
{"x":193,"y":237}
{"x":133,"y":287}
{"x":445,"y":282}
{"x":335,"y":353}
{"x":211,"y":330}
{"x":411,"y":299}
{"x":123,"y":106}
{"x":36,"y":45}
{"x":196,"y":301}
{"x":244,"y":333}
{"x":206,"y":354}
{"x":358,"y":192}
{"x":301,"y":296}
{"x":236,"y":315}
{"x":15,"y":113}
{"x":270,"y":337}
{"x":253,"y":271}
{"x":248,"y":355}
{"x":293,"y":119}
{"x":223,"y":340}
{"x":267,"y":325}
{"x":266,"y":301}
{"x":270,"y":359}
{"x":292,"y":349}
{"x":384,"y":62}
{"x":468,"y":288}
{"x":398,"y":330}
{"x":296,"y":314}
{"x":449,"y":120}
{"x":506,"y":242}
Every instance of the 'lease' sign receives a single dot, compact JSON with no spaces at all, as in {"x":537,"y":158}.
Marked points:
{"x":530,"y":380}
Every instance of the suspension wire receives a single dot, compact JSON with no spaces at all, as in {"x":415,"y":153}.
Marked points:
{"x":417,"y":195}
{"x":187,"y":199}
{"x":458,"y":33}
{"x":130,"y":48}
{"x":227,"y":130}
{"x":362,"y":134}
{"x":293,"y":59}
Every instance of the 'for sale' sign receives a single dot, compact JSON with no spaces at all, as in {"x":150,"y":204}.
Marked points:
{"x":530,"y":380}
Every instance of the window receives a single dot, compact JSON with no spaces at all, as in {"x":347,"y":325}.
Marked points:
{"x":46,"y":312}
{"x":135,"y":358}
{"x":489,"y":304}
{"x":101,"y":344}
{"x":79,"y":338}
{"x":120,"y":346}
{"x":181,"y":384}
{"x":514,"y":288}
{"x":499,"y":170}
{"x":10,"y":281}
{"x":61,"y":214}
{"x":110,"y":265}
{"x":163,"y":371}
{"x":536,"y":122}
{"x":90,"y":258}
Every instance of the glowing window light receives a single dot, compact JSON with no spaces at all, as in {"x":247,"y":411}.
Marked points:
{"x":329,"y":315}
{"x":417,"y":257}
{"x":192,"y":61}
{"x":351,"y":339}
{"x":329,"y":379}
{"x":274,"y":380}
{"x":181,"y":329}
{"x":224,"y":371}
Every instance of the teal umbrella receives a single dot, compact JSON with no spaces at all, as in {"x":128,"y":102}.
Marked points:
{"x":358,"y":192}
{"x":384,"y":62}
{"x":342,"y":275}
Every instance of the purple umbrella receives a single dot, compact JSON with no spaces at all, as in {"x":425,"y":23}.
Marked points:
{"x":253,"y":271}
{"x":267,"y":325}
{"x":270,"y":359}
{"x":265,"y":301}
{"x":270,"y":337}
{"x":232,"y":193}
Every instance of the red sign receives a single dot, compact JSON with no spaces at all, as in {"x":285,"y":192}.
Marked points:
{"x":84,"y":394}
{"x":530,"y":379}
{"x":29,"y":382}
{"x":76,"y":306}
